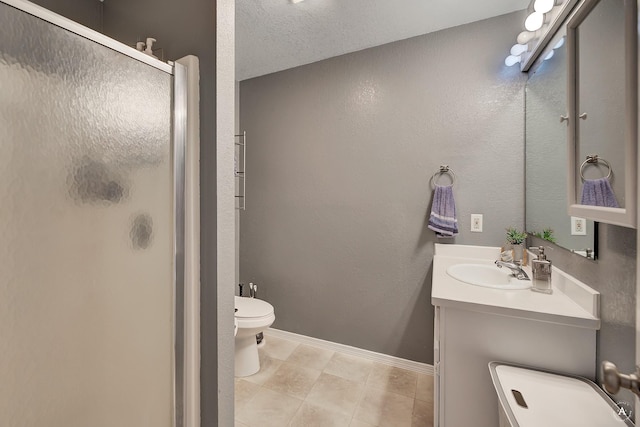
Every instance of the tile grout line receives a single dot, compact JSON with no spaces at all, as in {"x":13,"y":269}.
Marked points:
{"x":361,"y":397}
{"x":363,"y":393}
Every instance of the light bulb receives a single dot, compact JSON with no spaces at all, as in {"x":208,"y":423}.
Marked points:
{"x":549,"y":56}
{"x":543,"y":6}
{"x":511,"y":60}
{"x":525,"y":36}
{"x":559,"y":44}
{"x":534,"y":21}
{"x":518,"y":49}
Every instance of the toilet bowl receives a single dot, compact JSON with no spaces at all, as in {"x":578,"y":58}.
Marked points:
{"x":252,"y":316}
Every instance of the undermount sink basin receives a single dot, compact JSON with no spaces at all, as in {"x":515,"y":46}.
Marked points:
{"x":486,"y":275}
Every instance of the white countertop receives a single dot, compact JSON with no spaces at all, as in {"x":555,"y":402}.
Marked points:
{"x":571,"y":303}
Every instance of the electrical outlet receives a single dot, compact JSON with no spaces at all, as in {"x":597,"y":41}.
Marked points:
{"x":578,"y":226}
{"x":476,"y":223}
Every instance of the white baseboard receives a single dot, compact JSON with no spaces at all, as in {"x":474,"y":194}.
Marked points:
{"x":410,"y":365}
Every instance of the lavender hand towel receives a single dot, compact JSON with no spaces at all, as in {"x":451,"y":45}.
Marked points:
{"x":598,"y":192}
{"x":443,"y":212}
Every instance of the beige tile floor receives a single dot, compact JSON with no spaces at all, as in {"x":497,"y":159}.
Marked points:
{"x":304,"y":386}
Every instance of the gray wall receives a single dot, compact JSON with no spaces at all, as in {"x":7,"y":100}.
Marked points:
{"x":87,"y":13}
{"x":182,"y":28}
{"x":338,"y":195}
{"x":614,"y":276}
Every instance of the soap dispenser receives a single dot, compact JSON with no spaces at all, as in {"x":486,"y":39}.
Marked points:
{"x":149,"y":47}
{"x":541,"y":269}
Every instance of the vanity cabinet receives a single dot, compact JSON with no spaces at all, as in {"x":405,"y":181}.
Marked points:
{"x":474,"y":326}
{"x":465,"y":341}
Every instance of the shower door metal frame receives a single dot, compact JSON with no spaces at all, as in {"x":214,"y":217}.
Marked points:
{"x":179,"y":143}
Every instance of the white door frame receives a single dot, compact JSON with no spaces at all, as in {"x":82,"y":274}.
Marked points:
{"x":225,"y":215}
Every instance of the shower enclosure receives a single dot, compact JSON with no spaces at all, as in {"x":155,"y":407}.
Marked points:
{"x":91,"y":227}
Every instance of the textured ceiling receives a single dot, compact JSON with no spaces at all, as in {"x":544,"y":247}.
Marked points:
{"x":273,"y":35}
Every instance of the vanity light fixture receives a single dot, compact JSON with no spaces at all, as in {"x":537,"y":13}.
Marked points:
{"x":534,"y":21}
{"x":296,"y":1}
{"x":544,"y":17}
{"x":518,"y":49}
{"x":525,"y":36}
{"x":543,"y":6}
{"x":512,"y":60}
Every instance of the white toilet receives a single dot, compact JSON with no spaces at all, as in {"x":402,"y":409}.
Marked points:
{"x":252,"y":316}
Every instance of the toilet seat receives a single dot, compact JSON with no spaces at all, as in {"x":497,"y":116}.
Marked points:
{"x":252,"y":308}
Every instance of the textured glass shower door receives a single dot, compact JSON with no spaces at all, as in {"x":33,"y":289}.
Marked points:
{"x":86,"y":232}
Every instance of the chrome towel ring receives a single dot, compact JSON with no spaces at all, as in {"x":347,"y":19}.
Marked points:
{"x":591,"y":159}
{"x":444,"y":169}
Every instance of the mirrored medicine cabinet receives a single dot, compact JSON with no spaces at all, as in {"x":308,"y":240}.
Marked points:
{"x":581,"y":100}
{"x":602,"y":93}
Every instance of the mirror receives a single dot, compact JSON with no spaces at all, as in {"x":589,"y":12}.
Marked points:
{"x":546,"y":155}
{"x":602,"y":110}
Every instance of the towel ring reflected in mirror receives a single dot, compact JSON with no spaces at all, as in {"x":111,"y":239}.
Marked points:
{"x":594,"y":159}
{"x":444,"y":170}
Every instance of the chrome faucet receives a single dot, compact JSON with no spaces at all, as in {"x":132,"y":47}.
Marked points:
{"x":516,"y":269}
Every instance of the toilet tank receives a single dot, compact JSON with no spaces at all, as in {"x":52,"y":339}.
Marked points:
{"x":530,"y":397}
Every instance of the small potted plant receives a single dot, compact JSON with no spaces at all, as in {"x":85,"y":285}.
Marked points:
{"x":547,"y":234}
{"x":516,"y":239}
